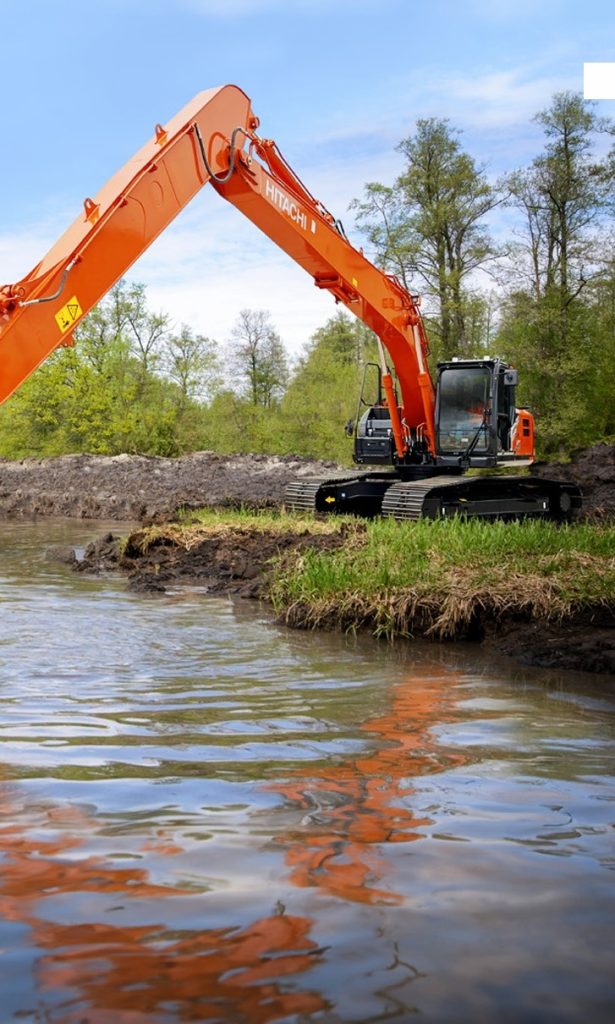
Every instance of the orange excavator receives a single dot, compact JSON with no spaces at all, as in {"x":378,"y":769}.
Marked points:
{"x":418,"y":438}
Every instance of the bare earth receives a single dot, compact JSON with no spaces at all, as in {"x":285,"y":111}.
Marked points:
{"x":593,"y":469}
{"x":147,"y":488}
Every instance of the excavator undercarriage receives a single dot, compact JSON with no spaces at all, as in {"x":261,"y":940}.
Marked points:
{"x":437,"y":496}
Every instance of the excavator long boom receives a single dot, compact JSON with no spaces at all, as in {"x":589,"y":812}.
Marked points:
{"x":212,"y":139}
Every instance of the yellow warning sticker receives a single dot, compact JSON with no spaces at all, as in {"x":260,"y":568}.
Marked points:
{"x":67,"y":317}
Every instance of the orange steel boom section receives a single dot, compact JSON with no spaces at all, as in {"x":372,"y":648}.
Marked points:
{"x":212,"y":139}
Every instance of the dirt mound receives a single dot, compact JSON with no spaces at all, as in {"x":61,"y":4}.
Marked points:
{"x":593,"y":469}
{"x":224,"y":563}
{"x":137,"y":487}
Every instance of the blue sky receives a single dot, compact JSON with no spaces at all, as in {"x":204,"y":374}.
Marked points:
{"x":337,"y":83}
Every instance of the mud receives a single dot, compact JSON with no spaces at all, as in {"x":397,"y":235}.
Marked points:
{"x":593,"y":469}
{"x":585,"y":641}
{"x":229,"y":563}
{"x":146,"y":488}
{"x":141,"y":488}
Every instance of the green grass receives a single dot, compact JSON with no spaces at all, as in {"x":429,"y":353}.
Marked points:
{"x":435,"y":577}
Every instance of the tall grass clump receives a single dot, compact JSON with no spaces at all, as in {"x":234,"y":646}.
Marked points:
{"x":266,"y":520}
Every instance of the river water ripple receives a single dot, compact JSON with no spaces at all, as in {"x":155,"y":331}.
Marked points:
{"x":205,"y":817}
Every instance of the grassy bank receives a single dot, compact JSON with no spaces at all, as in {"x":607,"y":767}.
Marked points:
{"x":441,"y":579}
{"x":268,"y":520}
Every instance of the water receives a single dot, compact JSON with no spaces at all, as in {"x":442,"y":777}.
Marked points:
{"x":205,"y":817}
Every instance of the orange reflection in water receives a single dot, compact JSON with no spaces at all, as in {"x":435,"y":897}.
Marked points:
{"x":131,"y":972}
{"x":213,"y":974}
{"x":360,"y":803}
{"x":127,"y":973}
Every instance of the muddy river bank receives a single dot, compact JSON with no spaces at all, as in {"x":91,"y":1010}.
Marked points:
{"x":146,"y":488}
{"x":239,"y":563}
{"x":152,"y":490}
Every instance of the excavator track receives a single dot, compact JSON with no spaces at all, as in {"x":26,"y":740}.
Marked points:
{"x":482,"y":497}
{"x":434,"y":497}
{"x":355,"y":493}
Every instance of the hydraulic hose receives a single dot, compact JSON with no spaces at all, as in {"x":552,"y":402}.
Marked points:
{"x":50,"y":298}
{"x":221,"y":179}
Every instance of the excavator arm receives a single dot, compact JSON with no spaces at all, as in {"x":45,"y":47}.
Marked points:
{"x":40,"y":312}
{"x":212,"y":139}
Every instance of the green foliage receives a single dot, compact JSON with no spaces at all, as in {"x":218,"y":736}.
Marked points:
{"x":191,"y":361}
{"x":429,"y":228}
{"x":233,"y":425}
{"x":558,"y":325}
{"x":567,"y":377}
{"x":323,"y":393}
{"x":310,"y":417}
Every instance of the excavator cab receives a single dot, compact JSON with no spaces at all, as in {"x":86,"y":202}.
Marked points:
{"x":477,"y":424}
{"x":476,"y":419}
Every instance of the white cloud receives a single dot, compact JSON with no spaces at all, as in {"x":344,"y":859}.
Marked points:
{"x":494,"y":109}
{"x":479,"y":99}
{"x":501,"y":99}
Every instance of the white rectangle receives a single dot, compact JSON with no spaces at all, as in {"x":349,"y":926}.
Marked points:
{"x":599,"y":80}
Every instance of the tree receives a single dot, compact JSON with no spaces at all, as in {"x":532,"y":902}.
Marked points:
{"x":428,"y":225}
{"x":146,"y":330}
{"x":258,"y":356}
{"x":191,"y":360}
{"x":324,"y":391}
{"x":345,"y":338}
{"x":601,"y":327}
{"x":552,"y":325}
{"x":563,"y":197}
{"x":101,"y":337}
